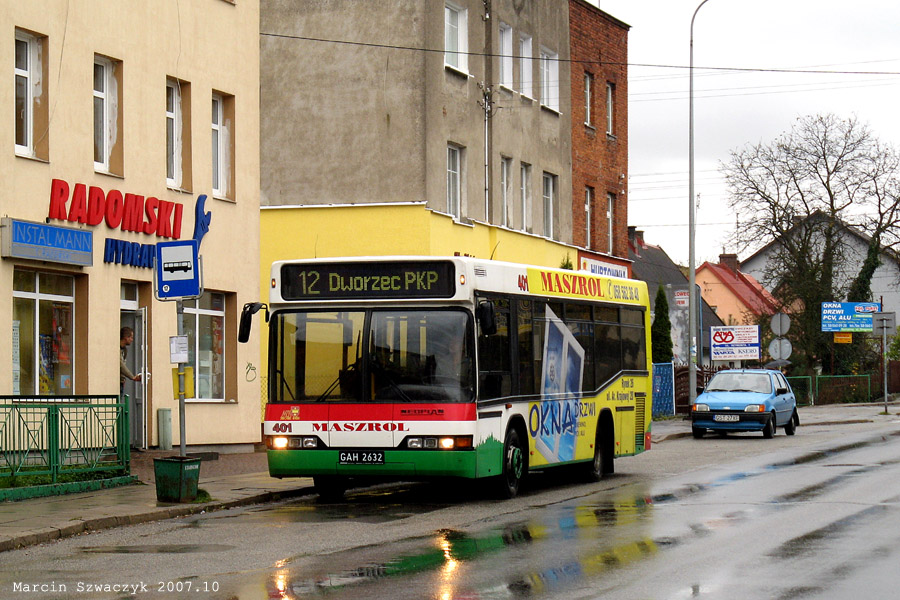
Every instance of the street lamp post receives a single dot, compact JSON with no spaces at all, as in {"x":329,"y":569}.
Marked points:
{"x":692,"y":269}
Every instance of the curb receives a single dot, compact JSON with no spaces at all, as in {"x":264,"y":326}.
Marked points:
{"x":50,"y":534}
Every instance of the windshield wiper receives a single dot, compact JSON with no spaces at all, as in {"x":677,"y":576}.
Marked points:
{"x":390,"y":381}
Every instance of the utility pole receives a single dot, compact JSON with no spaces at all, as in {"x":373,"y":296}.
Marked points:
{"x":487,"y":104}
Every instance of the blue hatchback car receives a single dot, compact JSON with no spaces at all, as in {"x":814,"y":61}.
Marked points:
{"x":745,"y":400}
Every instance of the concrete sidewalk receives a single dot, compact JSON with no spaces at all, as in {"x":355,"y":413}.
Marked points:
{"x":242,"y":479}
{"x":810,"y":416}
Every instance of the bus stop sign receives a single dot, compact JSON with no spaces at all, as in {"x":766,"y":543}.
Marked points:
{"x":178,"y":270}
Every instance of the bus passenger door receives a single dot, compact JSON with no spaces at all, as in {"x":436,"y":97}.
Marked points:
{"x":625,"y":429}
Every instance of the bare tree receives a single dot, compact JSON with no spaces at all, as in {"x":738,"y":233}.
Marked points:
{"x":797,"y":193}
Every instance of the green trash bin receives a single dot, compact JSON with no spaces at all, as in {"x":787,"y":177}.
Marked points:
{"x":176,"y":478}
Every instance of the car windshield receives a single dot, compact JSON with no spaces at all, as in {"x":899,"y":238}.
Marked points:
{"x":372,"y":356}
{"x":740,"y":382}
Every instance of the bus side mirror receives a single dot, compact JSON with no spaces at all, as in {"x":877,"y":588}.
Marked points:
{"x":484,"y":312}
{"x":250,"y":309}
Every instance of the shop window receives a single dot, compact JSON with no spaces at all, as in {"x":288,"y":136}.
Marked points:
{"x":203,"y":323}
{"x":42,"y":333}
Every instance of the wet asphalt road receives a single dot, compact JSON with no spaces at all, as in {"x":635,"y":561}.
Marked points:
{"x":813,"y":516}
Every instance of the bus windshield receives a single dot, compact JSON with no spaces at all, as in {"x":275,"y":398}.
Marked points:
{"x":374,"y":355}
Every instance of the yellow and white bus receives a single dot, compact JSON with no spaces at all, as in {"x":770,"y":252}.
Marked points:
{"x":425,"y":367}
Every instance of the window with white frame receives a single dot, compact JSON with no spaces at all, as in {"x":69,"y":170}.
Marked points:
{"x":43,"y":320}
{"x":610,"y":205}
{"x":505,"y":173}
{"x":588,"y":85}
{"x":588,"y":211}
{"x":27,"y":80}
{"x":454,"y":180}
{"x":506,"y":56}
{"x":203,"y":322}
{"x":525,"y":67}
{"x":104,"y":87}
{"x":456,"y":40}
{"x":549,"y":196}
{"x":550,"y":79}
{"x":222,"y":145}
{"x":525,"y":195}
{"x":610,"y":107}
{"x":173,"y":133}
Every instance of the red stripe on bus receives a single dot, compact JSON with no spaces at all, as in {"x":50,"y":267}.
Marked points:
{"x":371,"y":412}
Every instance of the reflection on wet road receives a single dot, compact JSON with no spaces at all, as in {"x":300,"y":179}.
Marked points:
{"x":607,"y":543}
{"x":796,"y":523}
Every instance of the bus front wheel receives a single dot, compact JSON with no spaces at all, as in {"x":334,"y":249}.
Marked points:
{"x":513,"y":465}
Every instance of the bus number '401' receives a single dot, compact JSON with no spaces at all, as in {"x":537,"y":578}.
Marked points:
{"x":281,"y":427}
{"x":523,"y":283}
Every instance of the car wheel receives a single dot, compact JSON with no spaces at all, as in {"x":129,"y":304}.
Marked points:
{"x":329,"y":487}
{"x":698,"y":432}
{"x":769,"y":429}
{"x":790,"y":427}
{"x":513,"y":469}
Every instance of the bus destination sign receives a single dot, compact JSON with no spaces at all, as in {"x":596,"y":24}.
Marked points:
{"x":360,"y":280}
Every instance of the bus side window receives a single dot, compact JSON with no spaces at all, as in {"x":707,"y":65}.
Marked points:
{"x":525,"y":316}
{"x":494,"y":370}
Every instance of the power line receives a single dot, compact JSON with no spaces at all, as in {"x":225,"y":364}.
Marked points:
{"x":571,"y":60}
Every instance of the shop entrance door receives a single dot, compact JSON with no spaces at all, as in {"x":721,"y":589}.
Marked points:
{"x":136,"y":359}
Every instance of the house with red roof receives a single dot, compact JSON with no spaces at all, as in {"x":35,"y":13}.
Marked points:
{"x":736,"y":297}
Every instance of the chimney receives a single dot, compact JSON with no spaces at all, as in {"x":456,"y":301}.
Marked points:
{"x":730,"y":261}
{"x":635,"y":236}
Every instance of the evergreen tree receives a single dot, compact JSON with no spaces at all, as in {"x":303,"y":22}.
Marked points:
{"x":661,"y":330}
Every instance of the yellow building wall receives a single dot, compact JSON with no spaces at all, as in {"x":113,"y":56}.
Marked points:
{"x":384,"y":230}
{"x":729,"y":307}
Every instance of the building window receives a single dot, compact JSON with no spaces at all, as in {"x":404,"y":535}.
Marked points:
{"x":588,"y":211}
{"x":610,"y":205}
{"x":178,"y":134}
{"x":505,"y":172}
{"x":454,"y":180}
{"x":173,"y":133}
{"x":456,"y":42}
{"x":222,"y":146}
{"x":549,"y":196}
{"x":525,"y":195}
{"x":525,"y":67}
{"x":203,"y":322}
{"x":610,"y":107}
{"x":105,"y":121}
{"x":588,"y":84}
{"x":42,"y":333}
{"x":550,"y":79}
{"x":31,"y":96}
{"x":506,"y":56}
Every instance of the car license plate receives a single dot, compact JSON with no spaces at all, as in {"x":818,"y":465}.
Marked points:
{"x":361,"y":457}
{"x":726,"y":418}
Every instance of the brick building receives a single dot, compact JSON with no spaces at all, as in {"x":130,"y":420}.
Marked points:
{"x":598,"y":45}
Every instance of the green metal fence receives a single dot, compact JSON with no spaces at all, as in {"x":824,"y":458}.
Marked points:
{"x":53,"y":435}
{"x":803,"y":389}
{"x":835,"y":389}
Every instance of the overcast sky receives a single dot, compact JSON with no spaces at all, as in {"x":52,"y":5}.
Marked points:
{"x":736,"y":108}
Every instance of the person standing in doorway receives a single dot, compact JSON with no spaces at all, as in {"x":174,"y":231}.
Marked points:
{"x":126,"y":337}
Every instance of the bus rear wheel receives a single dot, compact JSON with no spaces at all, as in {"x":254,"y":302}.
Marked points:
{"x":514,"y":466}
{"x":602,"y":464}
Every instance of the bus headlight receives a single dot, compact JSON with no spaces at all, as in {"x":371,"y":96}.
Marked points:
{"x":310,"y":442}
{"x":414,"y":443}
{"x":280,"y":443}
{"x":447,"y":443}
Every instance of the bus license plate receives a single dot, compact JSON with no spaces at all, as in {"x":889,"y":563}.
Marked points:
{"x":726,"y":418}
{"x":361,"y":458}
